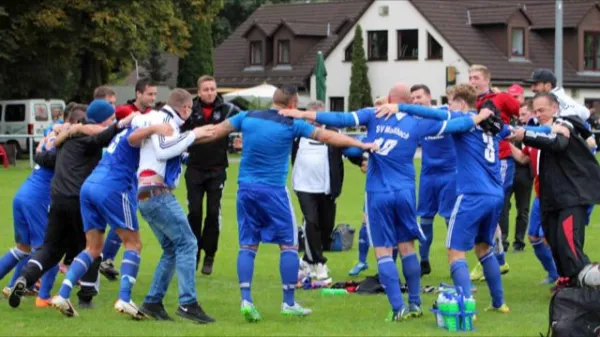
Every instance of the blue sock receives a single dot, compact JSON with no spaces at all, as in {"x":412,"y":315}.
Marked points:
{"x":10,"y":260}
{"x":460,"y":276}
{"x":288,"y":268}
{"x":129,"y":270}
{"x":491,"y":271}
{"x":111,"y":245}
{"x":245,"y":270}
{"x":395,"y":254}
{"x":412,"y":274}
{"x":544,"y":254}
{"x":78,"y":267}
{"x":47,"y":282}
{"x":390,"y":280}
{"x":500,"y":258}
{"x":363,"y":244}
{"x":17,"y":271}
{"x":424,"y":247}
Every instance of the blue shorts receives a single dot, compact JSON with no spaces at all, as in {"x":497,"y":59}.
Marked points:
{"x":473,"y":220}
{"x":30,"y":220}
{"x":265,"y":214}
{"x":507,"y":174}
{"x":102,"y":205}
{"x":437,"y":194}
{"x":392,"y":218}
{"x":535,"y":220}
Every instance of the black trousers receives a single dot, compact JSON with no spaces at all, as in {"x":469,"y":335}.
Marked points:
{"x":211,"y":183}
{"x":319,"y":218}
{"x":522,"y":184}
{"x":565,"y":232}
{"x":64,"y":235}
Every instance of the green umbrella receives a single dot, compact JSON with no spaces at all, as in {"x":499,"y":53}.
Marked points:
{"x":321,"y":77}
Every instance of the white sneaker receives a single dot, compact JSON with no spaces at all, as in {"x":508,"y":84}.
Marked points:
{"x":321,"y":272}
{"x":294,"y":310}
{"x":129,"y":308}
{"x":64,"y":305}
{"x":590,"y":275}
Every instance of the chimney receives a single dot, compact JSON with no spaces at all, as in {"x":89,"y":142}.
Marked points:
{"x":328,"y":29}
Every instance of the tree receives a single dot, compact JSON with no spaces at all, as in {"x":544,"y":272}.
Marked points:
{"x":360,"y":88}
{"x":199,"y":60}
{"x":155,"y":66}
{"x":65,"y":48}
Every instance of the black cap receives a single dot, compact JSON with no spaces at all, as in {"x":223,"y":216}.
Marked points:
{"x":543,"y":75}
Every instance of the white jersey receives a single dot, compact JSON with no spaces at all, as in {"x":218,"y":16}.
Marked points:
{"x":568,"y":106}
{"x":161,"y":154}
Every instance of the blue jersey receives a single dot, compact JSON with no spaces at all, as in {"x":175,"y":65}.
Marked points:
{"x":267,"y":145}
{"x":478,"y":170}
{"x":391,"y":168}
{"x":438,"y":154}
{"x":119,"y":162}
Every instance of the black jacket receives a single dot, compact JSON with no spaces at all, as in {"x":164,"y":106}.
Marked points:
{"x":211,"y":155}
{"x":76,"y":158}
{"x":336,"y":165}
{"x":568,"y":171}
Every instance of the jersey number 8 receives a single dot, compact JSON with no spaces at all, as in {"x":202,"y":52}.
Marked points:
{"x":489,"y":152}
{"x":113,"y":144}
{"x":385,"y":147}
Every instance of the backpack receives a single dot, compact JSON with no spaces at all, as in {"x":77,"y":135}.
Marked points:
{"x":575,"y":312}
{"x":342,"y":238}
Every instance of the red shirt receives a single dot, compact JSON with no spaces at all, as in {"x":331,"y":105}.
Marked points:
{"x":207,"y":111}
{"x":534,"y":156}
{"x":126,"y":110}
{"x":509,"y":107}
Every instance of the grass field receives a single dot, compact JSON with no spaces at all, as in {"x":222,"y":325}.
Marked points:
{"x":339,"y":315}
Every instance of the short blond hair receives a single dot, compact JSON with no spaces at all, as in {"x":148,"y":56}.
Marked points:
{"x":465,"y":92}
{"x":178,"y":98}
{"x":381,"y":101}
{"x":205,"y":78}
{"x":482,"y":69}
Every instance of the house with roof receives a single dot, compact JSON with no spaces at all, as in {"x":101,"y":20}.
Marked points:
{"x":412,"y":41}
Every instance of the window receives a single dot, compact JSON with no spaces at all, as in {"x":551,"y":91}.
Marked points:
{"x":14,"y":113}
{"x":518,"y":42}
{"x":283,"y":52}
{"x":348,"y":53}
{"x":408,"y":44}
{"x":256,"y":53}
{"x":434,"y":48}
{"x":336,"y":104}
{"x":444,"y":100}
{"x":591,"y":51}
{"x":41,"y":112}
{"x":378,"y":45}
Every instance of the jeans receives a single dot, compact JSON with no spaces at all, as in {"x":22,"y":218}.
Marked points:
{"x":170,"y":226}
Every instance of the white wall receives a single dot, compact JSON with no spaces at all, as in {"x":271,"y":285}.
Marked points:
{"x":383,"y":74}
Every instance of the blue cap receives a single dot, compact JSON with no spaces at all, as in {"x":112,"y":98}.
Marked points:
{"x":99,"y":110}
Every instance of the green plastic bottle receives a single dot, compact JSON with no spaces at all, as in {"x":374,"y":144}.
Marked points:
{"x":453,"y":311}
{"x":333,"y":292}
{"x":470,"y":307}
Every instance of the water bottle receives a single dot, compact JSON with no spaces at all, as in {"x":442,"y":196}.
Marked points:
{"x":469,"y":313}
{"x":439,"y":318}
{"x":451,"y":317}
{"x":333,"y":292}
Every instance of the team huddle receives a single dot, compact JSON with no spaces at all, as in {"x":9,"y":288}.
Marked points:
{"x":93,"y":171}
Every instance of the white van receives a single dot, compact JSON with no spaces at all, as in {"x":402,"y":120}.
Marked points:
{"x":26,"y":117}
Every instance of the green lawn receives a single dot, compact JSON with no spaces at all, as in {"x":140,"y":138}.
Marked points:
{"x":219,"y":294}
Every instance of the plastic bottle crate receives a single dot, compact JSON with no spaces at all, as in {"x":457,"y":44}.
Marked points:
{"x":462,"y":319}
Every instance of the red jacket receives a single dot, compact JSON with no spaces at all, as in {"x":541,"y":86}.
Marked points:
{"x":126,"y":110}
{"x":509,"y":106}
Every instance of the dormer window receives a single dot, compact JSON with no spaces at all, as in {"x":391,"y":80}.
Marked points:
{"x":517,"y":42}
{"x":591,"y":51}
{"x":283,"y":52}
{"x":256,"y":53}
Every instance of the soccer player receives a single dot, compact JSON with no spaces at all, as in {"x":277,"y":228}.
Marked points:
{"x":530,"y":155}
{"x":145,"y":95}
{"x":108,"y":195}
{"x":75,"y":160}
{"x":437,"y":184}
{"x":480,"y":196}
{"x":158,"y":174}
{"x":390,"y":197}
{"x":264,"y":208}
{"x":480,"y":78}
